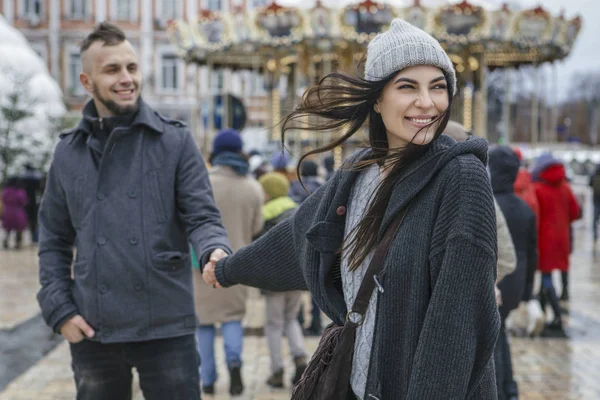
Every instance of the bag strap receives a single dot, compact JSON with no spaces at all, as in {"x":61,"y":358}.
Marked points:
{"x":361,"y":303}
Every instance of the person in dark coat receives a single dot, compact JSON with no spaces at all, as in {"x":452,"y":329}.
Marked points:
{"x":129,"y":189}
{"x":309,"y":174}
{"x":516,"y":287}
{"x":558,"y":209}
{"x":595,"y":185}
{"x":32,"y":183}
{"x":281,"y":308}
{"x":309,"y":171}
{"x":329,"y":164}
{"x":14,"y":218}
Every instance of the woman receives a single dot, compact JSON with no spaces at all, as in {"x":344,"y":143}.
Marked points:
{"x":14,"y":217}
{"x":281,"y":308}
{"x":240,"y":198}
{"x":432,"y":323}
{"x":558,"y":209}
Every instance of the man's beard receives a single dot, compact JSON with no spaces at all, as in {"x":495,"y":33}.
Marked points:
{"x":115,"y":108}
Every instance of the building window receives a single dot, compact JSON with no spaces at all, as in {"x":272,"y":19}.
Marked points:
{"x":74,"y":68}
{"x":214,"y":5}
{"x":31,"y":8}
{"x":170,"y":9}
{"x":78,"y":9}
{"x":259,"y":3}
{"x":41,"y":50}
{"x":218,"y":79}
{"x":170,"y":72}
{"x":125,"y":10}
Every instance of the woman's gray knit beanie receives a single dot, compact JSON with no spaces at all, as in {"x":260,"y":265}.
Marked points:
{"x":403,"y":46}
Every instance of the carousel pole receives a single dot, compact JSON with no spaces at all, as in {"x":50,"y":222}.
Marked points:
{"x":210,"y":104}
{"x":554,"y":118}
{"x":326,"y":71}
{"x":480,"y":99}
{"x":197,"y":113}
{"x":543,"y":106}
{"x":225,"y":104}
{"x":506,"y":108}
{"x":535,"y":108}
{"x":275,"y":98}
{"x":467,"y":94}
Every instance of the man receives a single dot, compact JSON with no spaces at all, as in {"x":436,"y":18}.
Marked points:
{"x":128,"y":188}
{"x":240,"y":198}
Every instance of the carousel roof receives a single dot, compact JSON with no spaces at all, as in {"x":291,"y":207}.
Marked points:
{"x":246,"y":39}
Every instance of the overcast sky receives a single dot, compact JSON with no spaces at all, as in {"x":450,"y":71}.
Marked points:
{"x":585,"y":55}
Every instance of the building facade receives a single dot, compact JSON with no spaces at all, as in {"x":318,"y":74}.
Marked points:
{"x":55,"y":28}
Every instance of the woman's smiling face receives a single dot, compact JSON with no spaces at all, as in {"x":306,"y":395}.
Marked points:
{"x":412,"y":100}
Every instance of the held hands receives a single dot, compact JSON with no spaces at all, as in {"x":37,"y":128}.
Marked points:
{"x":208,"y":273}
{"x":76,"y":329}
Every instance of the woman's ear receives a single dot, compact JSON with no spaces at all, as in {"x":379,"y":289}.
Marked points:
{"x":376,"y":107}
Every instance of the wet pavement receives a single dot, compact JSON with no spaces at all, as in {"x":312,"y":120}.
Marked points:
{"x":548,"y":369}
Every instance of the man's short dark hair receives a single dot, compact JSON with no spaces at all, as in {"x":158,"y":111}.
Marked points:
{"x":107,"y":33}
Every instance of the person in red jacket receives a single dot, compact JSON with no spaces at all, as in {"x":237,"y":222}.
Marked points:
{"x":558,"y":209}
{"x":524,"y":188}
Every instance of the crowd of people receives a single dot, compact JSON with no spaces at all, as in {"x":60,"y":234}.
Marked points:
{"x":437,"y":237}
{"x":19,"y":203}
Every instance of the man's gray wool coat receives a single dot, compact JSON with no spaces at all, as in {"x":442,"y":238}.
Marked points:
{"x":130,"y":216}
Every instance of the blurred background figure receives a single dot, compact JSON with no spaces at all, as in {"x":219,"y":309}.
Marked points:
{"x":518,"y":286}
{"x":258,"y":164}
{"x":239,"y":198}
{"x":524,"y":187}
{"x":32,"y":183}
{"x":329,"y":165}
{"x":558,"y":209}
{"x":456,"y":131}
{"x":281,"y":307}
{"x":280,"y":162}
{"x":595,"y":185}
{"x":14,"y":217}
{"x":309,"y":172}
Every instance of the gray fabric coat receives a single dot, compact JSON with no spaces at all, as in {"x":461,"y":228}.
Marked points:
{"x":130,"y":214}
{"x":437,"y":320}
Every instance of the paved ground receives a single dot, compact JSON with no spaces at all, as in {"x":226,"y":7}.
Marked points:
{"x":549,"y":369}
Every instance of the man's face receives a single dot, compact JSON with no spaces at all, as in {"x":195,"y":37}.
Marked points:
{"x":111,"y":75}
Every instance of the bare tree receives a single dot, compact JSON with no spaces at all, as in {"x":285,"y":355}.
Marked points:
{"x":586,"y":87}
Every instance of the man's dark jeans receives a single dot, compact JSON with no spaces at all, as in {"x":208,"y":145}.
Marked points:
{"x":168,"y":369}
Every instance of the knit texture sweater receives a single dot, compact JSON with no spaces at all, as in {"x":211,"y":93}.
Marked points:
{"x":437,"y":321}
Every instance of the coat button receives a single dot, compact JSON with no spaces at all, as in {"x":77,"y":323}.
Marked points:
{"x":142,"y":332}
{"x":100,"y":197}
{"x":103,"y":289}
{"x":341,"y":210}
{"x":133,"y":240}
{"x":138,"y":286}
{"x":132,"y":194}
{"x":101,"y":240}
{"x":106,"y":332}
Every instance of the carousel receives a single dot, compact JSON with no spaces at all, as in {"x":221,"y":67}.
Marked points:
{"x":291,"y":48}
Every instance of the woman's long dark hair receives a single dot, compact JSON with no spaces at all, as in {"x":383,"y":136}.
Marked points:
{"x":343,"y":103}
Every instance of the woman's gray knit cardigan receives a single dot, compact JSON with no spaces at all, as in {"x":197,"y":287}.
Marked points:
{"x":437,"y":320}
